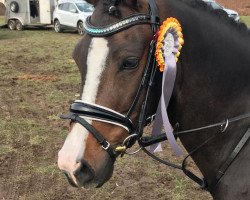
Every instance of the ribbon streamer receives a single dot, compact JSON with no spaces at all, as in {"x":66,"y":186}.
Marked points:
{"x":169,"y":46}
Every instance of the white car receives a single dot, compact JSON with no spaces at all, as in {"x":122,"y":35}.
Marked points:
{"x":71,"y":14}
{"x":231,"y":13}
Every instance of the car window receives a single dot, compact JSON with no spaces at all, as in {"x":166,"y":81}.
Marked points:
{"x":72,"y":7}
{"x":216,"y":6}
{"x":60,"y":6}
{"x":64,"y":6}
{"x":85,"y":7}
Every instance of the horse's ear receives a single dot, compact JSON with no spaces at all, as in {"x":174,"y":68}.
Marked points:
{"x":93,"y":2}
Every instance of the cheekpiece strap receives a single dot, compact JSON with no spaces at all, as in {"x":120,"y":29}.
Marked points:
{"x":115,"y":27}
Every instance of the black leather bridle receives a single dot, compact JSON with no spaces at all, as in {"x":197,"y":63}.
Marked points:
{"x":80,"y":110}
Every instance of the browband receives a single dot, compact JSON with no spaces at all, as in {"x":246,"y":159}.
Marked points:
{"x":116,"y":27}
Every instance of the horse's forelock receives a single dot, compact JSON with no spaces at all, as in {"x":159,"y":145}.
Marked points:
{"x":133,"y":4}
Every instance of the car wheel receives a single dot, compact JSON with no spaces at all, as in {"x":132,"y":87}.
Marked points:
{"x":12,"y":24}
{"x":57,"y":26}
{"x":19,"y":25}
{"x":80,"y":28}
{"x":14,"y":7}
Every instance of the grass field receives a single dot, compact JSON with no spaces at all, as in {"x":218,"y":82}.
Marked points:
{"x":2,"y":20}
{"x":38,"y":80}
{"x":246,"y":19}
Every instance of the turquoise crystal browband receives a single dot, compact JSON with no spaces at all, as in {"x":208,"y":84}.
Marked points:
{"x":116,"y":27}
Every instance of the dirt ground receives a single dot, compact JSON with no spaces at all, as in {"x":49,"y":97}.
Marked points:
{"x":242,"y":6}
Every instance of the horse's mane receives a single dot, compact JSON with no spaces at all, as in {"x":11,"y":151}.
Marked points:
{"x":199,"y":4}
{"x":215,"y":47}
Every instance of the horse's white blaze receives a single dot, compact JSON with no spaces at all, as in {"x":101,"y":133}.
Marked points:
{"x":72,"y":150}
{"x":96,"y":62}
{"x":75,"y":144}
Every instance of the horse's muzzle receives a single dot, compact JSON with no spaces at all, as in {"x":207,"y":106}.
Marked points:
{"x":83,"y":175}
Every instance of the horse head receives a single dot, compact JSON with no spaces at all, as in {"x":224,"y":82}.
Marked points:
{"x":113,"y":88}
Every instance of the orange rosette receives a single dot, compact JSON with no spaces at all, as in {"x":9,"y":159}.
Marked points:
{"x":169,"y":26}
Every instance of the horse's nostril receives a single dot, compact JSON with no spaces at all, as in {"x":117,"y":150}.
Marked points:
{"x":71,"y":182}
{"x":84,"y":173}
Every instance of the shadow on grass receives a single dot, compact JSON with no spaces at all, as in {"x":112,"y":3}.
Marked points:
{"x":6,"y":34}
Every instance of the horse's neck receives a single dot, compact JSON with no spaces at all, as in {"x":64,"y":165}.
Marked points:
{"x":212,"y":85}
{"x":213,"y":72}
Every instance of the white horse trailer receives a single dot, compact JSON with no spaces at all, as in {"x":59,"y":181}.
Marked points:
{"x":21,"y":13}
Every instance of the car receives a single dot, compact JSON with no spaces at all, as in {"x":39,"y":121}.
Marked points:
{"x":231,"y":13}
{"x":71,"y":15}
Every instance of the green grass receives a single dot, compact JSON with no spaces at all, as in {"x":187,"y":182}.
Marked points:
{"x":47,"y":169}
{"x":2,"y":20}
{"x":246,"y":19}
{"x":178,"y":192}
{"x":5,"y":149}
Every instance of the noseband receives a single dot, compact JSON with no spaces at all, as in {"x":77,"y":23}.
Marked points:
{"x":79,"y":110}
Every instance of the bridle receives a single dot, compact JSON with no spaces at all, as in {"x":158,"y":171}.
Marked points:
{"x":80,"y":111}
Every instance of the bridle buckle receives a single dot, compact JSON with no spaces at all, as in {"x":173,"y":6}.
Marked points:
{"x":224,"y":126}
{"x":107,"y":146}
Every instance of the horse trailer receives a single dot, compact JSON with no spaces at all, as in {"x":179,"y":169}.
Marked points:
{"x":21,"y":13}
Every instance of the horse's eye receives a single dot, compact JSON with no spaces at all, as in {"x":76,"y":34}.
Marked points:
{"x":130,"y":63}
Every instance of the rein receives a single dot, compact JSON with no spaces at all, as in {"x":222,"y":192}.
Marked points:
{"x":223,"y":126}
{"x":79,"y":110}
